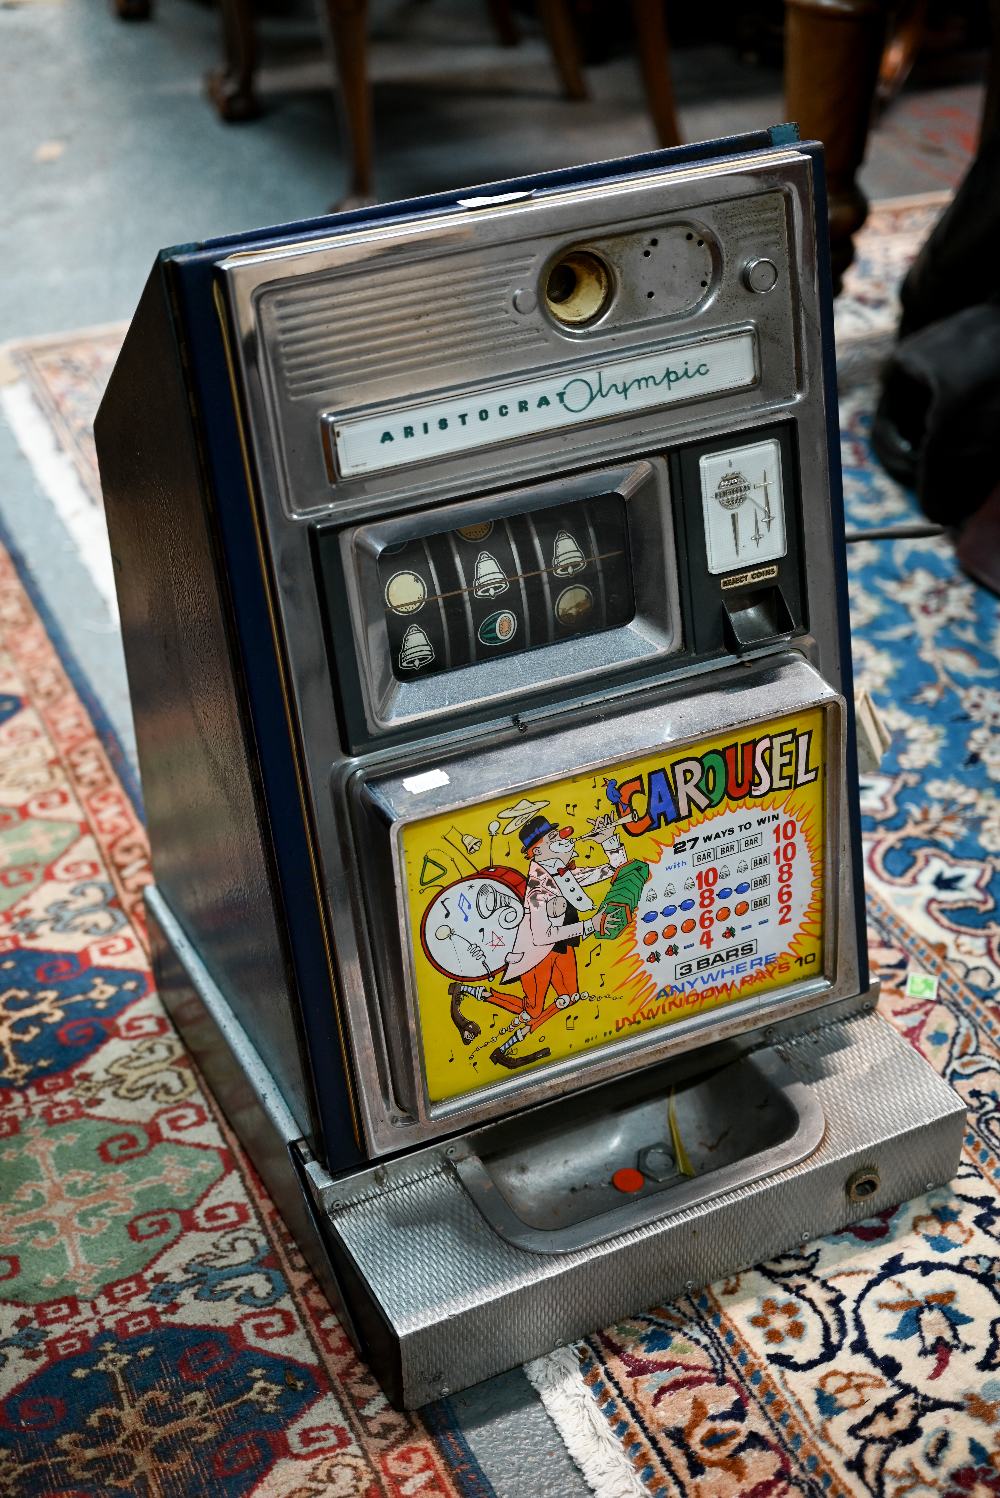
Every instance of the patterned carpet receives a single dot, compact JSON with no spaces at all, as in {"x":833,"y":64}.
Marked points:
{"x":159,"y":1333}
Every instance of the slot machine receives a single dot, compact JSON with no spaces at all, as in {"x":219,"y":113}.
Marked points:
{"x":481,"y":572}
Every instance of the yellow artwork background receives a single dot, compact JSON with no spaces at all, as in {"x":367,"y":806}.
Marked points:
{"x":628,"y":998}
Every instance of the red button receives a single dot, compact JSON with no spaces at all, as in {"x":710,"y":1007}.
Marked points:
{"x":627,"y":1179}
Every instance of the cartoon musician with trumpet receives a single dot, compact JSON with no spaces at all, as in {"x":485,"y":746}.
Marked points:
{"x":533,"y":927}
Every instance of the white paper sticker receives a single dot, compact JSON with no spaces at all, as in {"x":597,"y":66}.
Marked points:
{"x":427,"y":780}
{"x":743,"y":505}
{"x":525,"y":408}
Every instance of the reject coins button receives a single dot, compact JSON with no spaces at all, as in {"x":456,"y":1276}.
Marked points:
{"x":760,"y":275}
{"x":628,"y":1179}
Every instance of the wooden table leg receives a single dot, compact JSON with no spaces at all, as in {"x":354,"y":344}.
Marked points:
{"x":561,"y":35}
{"x":503,"y":22}
{"x":230,"y":87}
{"x":653,"y":46}
{"x":349,"y":35}
{"x":832,"y":53}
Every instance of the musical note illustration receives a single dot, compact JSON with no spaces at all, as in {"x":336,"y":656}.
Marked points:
{"x":465,"y":906}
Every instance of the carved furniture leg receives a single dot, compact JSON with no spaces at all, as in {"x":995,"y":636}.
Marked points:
{"x":906,"y":34}
{"x":349,"y":34}
{"x":832,"y":53}
{"x":561,"y":35}
{"x":132,"y":10}
{"x":653,"y":45}
{"x":503,"y":22}
{"x":230,"y":87}
{"x":991,"y":104}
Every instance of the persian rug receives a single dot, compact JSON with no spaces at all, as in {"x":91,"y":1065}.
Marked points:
{"x":160,"y":1333}
{"x":160,"y":1336}
{"x":50,"y":389}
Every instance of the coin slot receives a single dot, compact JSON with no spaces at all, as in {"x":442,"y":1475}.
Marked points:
{"x":577,"y":288}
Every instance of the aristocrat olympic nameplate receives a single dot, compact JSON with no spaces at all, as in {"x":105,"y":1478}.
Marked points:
{"x":613,"y":387}
{"x":715,"y":867}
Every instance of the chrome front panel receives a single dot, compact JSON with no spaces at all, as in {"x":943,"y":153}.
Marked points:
{"x":379,"y":318}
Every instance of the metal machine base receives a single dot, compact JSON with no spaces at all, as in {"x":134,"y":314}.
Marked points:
{"x":462,"y":1259}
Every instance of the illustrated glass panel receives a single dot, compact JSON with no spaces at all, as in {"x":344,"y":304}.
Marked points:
{"x":589,"y":910}
{"x":504,"y":586}
{"x":743,"y":506}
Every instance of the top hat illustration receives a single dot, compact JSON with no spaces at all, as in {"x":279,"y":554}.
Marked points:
{"x":534,"y":830}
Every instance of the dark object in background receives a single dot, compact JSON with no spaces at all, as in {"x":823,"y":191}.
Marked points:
{"x":978,"y":547}
{"x":937,"y":421}
{"x":959,"y":264}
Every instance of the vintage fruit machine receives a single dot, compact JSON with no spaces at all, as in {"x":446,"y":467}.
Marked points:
{"x":481,"y":571}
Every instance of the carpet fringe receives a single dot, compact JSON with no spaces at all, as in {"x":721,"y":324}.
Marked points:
{"x":588,"y":1436}
{"x":56,"y":476}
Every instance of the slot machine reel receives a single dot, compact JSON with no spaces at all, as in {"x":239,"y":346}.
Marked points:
{"x":480,"y":564}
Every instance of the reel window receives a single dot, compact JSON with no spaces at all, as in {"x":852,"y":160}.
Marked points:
{"x":454,"y":614}
{"x":507,"y":585}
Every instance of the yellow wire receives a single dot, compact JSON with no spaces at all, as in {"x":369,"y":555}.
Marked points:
{"x":681,"y":1158}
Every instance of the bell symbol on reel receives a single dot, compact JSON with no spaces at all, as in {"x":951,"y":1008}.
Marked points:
{"x":489,"y":581}
{"x":567,"y":557}
{"x":416,"y":650}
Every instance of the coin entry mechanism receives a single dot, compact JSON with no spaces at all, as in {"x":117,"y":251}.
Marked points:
{"x":481,"y":571}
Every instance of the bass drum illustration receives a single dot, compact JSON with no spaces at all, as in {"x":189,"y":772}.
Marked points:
{"x":468,"y":929}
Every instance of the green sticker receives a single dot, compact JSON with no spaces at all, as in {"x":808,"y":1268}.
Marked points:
{"x":921,"y":986}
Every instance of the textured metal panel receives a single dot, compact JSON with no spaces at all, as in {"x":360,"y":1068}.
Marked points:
{"x":336,"y":336}
{"x":465,"y":1304}
{"x":454,"y":278}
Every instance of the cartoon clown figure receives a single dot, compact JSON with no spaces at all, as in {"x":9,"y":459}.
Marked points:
{"x":558,"y":912}
{"x":542,"y":921}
